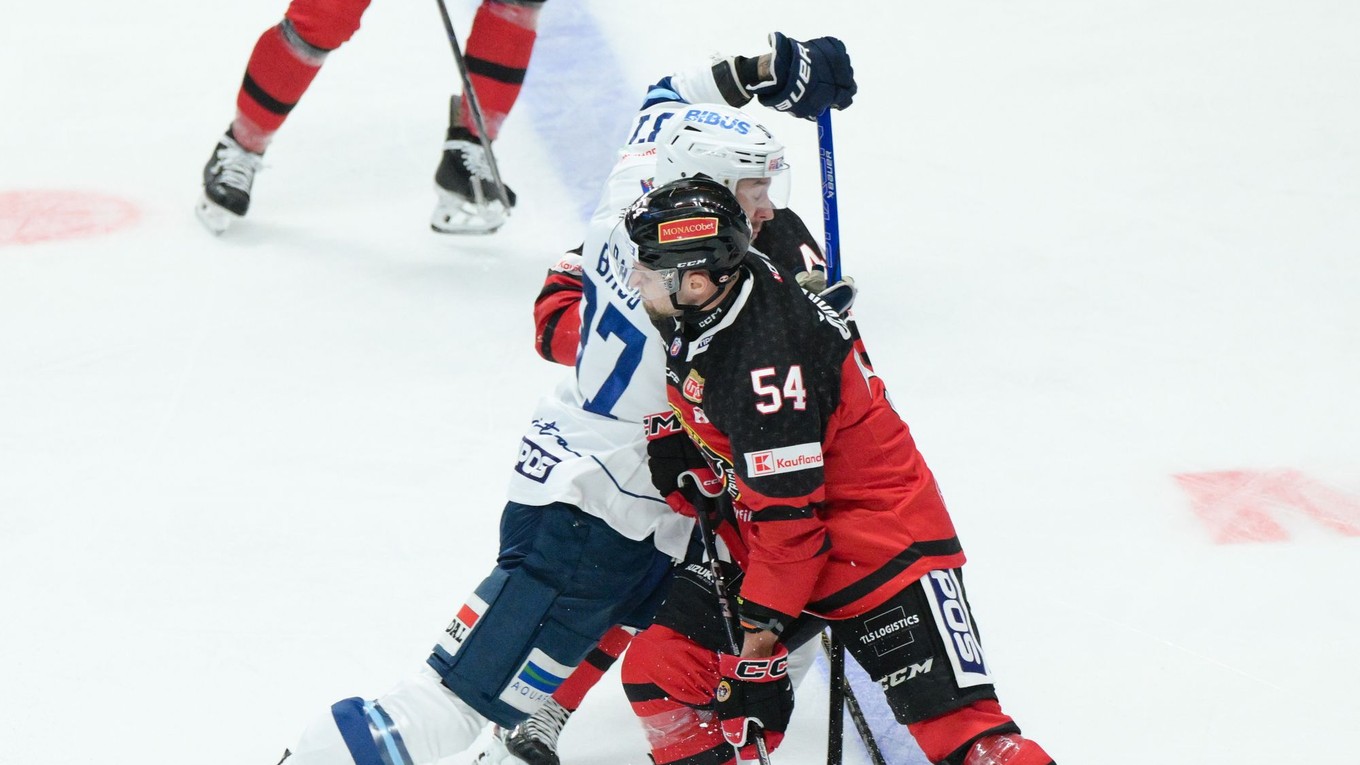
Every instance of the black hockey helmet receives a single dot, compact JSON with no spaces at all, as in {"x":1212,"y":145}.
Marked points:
{"x":690,"y":224}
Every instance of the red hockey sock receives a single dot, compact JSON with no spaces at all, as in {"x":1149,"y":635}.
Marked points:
{"x":498,"y":51}
{"x":276,"y":77}
{"x":570,"y":693}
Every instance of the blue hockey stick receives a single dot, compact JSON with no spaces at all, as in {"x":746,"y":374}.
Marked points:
{"x":830,"y":216}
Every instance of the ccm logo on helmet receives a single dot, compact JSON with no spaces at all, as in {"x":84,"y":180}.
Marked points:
{"x":684,"y":230}
{"x":713,"y":118}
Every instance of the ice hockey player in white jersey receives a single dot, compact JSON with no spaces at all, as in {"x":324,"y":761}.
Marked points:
{"x":586,"y":542}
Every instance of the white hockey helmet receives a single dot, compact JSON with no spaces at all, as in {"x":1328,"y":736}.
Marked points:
{"x":718,"y":141}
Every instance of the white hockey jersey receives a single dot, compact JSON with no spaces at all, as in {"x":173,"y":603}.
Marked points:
{"x":586,"y":445}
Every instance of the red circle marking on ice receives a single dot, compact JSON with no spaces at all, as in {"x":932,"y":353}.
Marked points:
{"x":31,"y":216}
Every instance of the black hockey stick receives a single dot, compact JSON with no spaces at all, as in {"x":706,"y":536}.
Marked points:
{"x":724,"y":603}
{"x":832,"y":646}
{"x":474,"y":105}
{"x":835,"y":728}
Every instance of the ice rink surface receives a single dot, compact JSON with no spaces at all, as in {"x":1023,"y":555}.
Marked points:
{"x":1109,"y":257}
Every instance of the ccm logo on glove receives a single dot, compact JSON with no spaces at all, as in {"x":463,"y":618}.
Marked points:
{"x":759,"y":670}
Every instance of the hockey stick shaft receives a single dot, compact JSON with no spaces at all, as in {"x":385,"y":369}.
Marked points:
{"x":831,"y":645}
{"x":729,"y":616}
{"x":473,"y":104}
{"x":826,"y":157}
{"x":835,"y":729}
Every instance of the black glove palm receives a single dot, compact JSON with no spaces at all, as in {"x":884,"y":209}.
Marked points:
{"x":681,"y":474}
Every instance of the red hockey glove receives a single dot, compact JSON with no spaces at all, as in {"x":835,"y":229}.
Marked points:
{"x":680,"y":473}
{"x":754,"y":695}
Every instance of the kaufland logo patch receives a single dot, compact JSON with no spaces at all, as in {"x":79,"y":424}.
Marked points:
{"x":693,"y":389}
{"x":685,"y":230}
{"x":786,"y":459}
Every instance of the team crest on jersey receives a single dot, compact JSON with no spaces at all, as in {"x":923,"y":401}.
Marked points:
{"x":675,"y":347}
{"x":686,"y":229}
{"x":693,"y":389}
{"x":786,"y":459}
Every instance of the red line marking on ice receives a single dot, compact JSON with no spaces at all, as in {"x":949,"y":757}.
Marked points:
{"x":1248,"y":505}
{"x":31,"y":216}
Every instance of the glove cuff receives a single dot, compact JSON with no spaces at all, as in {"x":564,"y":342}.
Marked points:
{"x":762,"y":670}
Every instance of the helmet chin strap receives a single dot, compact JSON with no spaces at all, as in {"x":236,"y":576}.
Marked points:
{"x":693,"y":314}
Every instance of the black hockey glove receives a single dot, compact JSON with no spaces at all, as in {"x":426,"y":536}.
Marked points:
{"x":754,"y":693}
{"x":840,"y":296}
{"x":809,"y":77}
{"x":681,"y":474}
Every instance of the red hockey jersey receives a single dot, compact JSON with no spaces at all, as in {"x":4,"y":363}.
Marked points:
{"x":836,"y":507}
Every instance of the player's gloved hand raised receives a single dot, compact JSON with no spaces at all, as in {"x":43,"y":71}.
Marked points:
{"x":809,"y":77}
{"x":840,"y":296}
{"x":681,"y":474}
{"x":754,"y":694}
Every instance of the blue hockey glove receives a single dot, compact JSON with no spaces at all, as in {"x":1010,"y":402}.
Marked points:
{"x":809,"y":77}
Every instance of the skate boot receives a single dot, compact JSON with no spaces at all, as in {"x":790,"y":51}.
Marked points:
{"x":466,"y":189}
{"x":226,"y":184}
{"x":535,"y":740}
{"x":491,"y":749}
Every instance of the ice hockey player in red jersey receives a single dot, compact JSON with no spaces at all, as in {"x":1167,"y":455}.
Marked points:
{"x":289,"y":55}
{"x":836,"y":514}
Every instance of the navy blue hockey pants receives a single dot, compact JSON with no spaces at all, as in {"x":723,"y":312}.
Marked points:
{"x":563,"y":577}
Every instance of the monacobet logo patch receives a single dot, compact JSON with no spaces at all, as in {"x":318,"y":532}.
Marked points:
{"x":786,"y":459}
{"x":535,"y":462}
{"x":693,"y":388}
{"x":686,"y":229}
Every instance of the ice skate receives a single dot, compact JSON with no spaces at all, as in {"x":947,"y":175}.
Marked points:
{"x":535,"y":740}
{"x":491,"y":748}
{"x":227,"y":179}
{"x":466,"y":189}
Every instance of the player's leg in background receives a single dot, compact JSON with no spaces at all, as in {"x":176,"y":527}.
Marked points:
{"x":285,"y":60}
{"x":499,"y":46}
{"x":922,"y":648}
